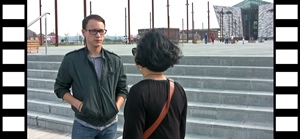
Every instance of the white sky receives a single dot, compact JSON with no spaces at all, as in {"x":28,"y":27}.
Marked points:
{"x":70,"y":14}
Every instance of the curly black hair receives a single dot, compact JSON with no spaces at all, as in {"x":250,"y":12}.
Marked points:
{"x":156,"y":52}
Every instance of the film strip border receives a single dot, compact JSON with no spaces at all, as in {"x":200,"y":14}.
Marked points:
{"x":13,"y":69}
{"x":286,"y":47}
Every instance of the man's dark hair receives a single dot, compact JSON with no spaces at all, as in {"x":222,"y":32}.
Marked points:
{"x":156,"y":52}
{"x":92,"y":16}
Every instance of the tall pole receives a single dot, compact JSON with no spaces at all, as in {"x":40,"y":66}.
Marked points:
{"x":239,"y":27}
{"x":187,"y":21}
{"x":84,"y":8}
{"x":244,"y":28}
{"x":129,"y":21}
{"x":152,"y":14}
{"x":222,"y":26}
{"x":90,"y":7}
{"x":232,"y":24}
{"x":150,"y":20}
{"x":46,"y":45}
{"x":56,"y":25}
{"x":192,"y":21}
{"x":182,"y":24}
{"x":168,"y":19}
{"x":208,"y":22}
{"x":125,"y":23}
{"x":41,"y":35}
{"x":228,"y":24}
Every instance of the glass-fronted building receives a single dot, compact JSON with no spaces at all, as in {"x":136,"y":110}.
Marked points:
{"x":252,"y":19}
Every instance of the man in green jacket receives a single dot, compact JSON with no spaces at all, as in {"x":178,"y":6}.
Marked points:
{"x":98,"y":83}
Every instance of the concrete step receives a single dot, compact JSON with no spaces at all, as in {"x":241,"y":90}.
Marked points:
{"x":195,"y":136}
{"x":42,"y":74}
{"x":50,"y":121}
{"x":200,"y":82}
{"x":190,"y":70}
{"x":229,"y":129}
{"x":52,"y":58}
{"x":42,"y":94}
{"x":40,"y":83}
{"x":35,"y":117}
{"x":195,"y":109}
{"x":231,"y":112}
{"x":209,"y":72}
{"x":216,"y":129}
{"x":43,"y":65}
{"x":264,"y":61}
{"x":204,"y":82}
{"x":51,"y":107}
{"x":57,"y":122}
{"x":231,"y":97}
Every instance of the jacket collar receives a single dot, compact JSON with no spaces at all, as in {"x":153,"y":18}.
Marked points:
{"x":102,"y":52}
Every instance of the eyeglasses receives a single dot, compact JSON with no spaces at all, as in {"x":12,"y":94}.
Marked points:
{"x":133,"y":51}
{"x":95,"y":31}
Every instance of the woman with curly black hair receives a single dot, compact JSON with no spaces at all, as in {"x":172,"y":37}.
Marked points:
{"x":156,"y":93}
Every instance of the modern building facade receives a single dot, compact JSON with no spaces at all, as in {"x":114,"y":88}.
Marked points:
{"x":252,"y":19}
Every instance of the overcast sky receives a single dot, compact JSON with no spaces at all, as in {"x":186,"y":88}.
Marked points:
{"x":70,"y":14}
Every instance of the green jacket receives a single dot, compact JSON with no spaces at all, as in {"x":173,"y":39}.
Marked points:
{"x":99,"y":97}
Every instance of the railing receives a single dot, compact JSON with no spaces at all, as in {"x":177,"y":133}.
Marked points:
{"x":37,"y":19}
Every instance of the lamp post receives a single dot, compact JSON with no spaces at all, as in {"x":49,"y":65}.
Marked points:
{"x":187,"y":20}
{"x":208,"y":22}
{"x":90,"y":7}
{"x":192,"y":21}
{"x":222,"y":24}
{"x":56,"y":25}
{"x":168,"y":18}
{"x":41,"y":34}
{"x":84,"y":8}
{"x":125,"y":24}
{"x":129,"y":20}
{"x":152,"y":14}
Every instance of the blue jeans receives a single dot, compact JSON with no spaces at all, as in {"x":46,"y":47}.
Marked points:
{"x":82,"y":132}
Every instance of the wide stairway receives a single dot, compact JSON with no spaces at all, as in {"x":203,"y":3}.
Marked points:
{"x":228,"y":97}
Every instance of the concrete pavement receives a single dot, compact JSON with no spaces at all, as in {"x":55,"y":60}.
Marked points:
{"x":188,"y":49}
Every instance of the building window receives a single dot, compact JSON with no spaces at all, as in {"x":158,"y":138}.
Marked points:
{"x":255,"y":25}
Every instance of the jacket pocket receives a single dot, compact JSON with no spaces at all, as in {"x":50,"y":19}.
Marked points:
{"x":85,"y":110}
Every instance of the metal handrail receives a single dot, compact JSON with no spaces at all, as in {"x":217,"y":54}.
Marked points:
{"x":37,"y":19}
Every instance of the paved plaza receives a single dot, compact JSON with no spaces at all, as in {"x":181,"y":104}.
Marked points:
{"x":188,"y":49}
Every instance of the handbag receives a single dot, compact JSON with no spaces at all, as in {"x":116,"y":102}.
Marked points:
{"x":162,"y":114}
